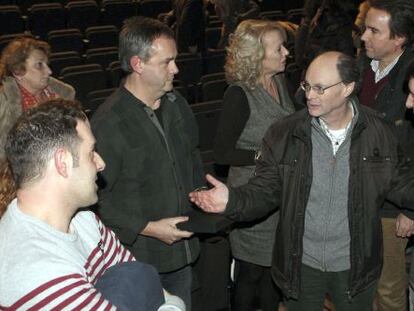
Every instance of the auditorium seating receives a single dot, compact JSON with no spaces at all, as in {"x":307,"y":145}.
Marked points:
{"x":46,"y":17}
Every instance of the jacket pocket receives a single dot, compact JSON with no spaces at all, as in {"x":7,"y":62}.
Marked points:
{"x":377,"y":173}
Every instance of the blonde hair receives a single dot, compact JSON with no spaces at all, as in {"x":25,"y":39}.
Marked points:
{"x":246,"y":51}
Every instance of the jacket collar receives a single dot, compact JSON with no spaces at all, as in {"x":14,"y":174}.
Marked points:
{"x":132,"y":100}
{"x":303,"y":125}
{"x":394,"y":74}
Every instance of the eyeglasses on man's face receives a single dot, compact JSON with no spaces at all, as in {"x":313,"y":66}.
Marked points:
{"x":317,"y":88}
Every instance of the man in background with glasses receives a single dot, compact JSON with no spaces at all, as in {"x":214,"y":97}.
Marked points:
{"x":328,"y":168}
{"x":388,"y":39}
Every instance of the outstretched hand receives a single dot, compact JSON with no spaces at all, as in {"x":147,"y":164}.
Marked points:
{"x":213,"y":200}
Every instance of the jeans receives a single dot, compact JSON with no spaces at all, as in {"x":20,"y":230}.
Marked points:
{"x":315,"y":284}
{"x":179,"y":283}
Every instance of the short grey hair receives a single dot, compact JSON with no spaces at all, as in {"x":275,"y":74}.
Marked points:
{"x":137,"y":36}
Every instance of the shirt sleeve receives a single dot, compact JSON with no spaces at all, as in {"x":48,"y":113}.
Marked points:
{"x":233,"y":119}
{"x":113,"y":249}
{"x":56,"y":286}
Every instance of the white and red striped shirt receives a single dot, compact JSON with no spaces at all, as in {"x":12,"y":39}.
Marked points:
{"x":42,"y":268}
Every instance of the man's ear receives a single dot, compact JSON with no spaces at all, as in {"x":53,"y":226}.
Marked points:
{"x":349,"y":88}
{"x":63,"y":162}
{"x":399,"y":41}
{"x":136,"y":64}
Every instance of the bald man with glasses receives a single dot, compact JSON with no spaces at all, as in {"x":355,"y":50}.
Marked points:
{"x":328,"y":168}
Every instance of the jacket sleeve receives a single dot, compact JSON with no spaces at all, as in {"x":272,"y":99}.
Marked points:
{"x":118,"y":209}
{"x":233,"y":119}
{"x":261,"y":195}
{"x":402,"y":188}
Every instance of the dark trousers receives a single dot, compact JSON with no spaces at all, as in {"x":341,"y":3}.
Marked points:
{"x":179,"y":283}
{"x":132,"y":286}
{"x":253,"y":281}
{"x":212,"y":270}
{"x":315,"y":284}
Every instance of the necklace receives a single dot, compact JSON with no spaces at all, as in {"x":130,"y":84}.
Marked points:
{"x":337,"y":137}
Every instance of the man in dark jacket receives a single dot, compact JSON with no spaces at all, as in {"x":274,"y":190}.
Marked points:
{"x":329,"y":169}
{"x":149,"y":139}
{"x":388,"y":42}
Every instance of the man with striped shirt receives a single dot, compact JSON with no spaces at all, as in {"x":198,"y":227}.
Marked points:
{"x":52,"y":255}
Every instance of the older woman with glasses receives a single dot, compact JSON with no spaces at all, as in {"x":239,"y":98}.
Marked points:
{"x":25,"y":83}
{"x":256,"y":98}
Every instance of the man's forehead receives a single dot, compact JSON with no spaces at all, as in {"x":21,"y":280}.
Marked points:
{"x":163,"y":44}
{"x":375,"y":15}
{"x":322,"y":69}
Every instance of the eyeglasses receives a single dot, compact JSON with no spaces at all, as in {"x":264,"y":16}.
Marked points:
{"x":318,"y":89}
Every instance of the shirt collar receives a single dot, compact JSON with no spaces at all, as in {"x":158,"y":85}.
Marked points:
{"x":381,"y":74}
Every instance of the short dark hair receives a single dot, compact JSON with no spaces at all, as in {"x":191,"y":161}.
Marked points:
{"x":136,"y":38}
{"x":402,"y":17}
{"x":348,"y":71}
{"x":38,"y":133}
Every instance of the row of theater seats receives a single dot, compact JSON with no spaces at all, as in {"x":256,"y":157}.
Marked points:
{"x":91,"y":81}
{"x":107,"y":35}
{"x":44,"y":17}
{"x":293,"y":15}
{"x":73,"y":39}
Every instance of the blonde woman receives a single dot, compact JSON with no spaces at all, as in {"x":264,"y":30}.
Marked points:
{"x":256,"y":98}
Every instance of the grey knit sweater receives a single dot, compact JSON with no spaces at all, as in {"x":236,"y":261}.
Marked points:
{"x":326,"y":239}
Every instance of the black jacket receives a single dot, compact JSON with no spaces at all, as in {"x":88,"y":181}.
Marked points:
{"x":283,"y":179}
{"x":390,"y":102}
{"x":144,"y":180}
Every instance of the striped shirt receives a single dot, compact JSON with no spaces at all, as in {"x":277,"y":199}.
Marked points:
{"x":42,"y":268}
